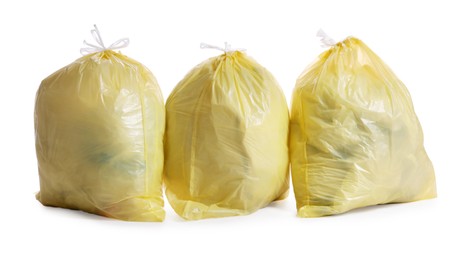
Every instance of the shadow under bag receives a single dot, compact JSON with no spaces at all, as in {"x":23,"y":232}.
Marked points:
{"x":355,"y":140}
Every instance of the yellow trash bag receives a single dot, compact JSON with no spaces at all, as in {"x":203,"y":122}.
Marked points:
{"x":355,"y":139}
{"x":226,"y":139}
{"x":99,"y":126}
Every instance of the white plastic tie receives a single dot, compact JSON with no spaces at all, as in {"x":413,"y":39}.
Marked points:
{"x":226,"y":49}
{"x":326,"y":40}
{"x":92,"y":48}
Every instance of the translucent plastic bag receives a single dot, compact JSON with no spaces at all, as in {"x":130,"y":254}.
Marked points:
{"x":99,"y":137}
{"x":355,"y":140}
{"x":226,"y":139}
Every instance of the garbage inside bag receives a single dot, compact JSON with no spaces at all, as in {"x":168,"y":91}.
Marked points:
{"x":226,"y":139}
{"x":99,"y":137}
{"x":355,"y":139}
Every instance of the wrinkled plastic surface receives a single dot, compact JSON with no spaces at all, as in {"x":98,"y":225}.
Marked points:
{"x":355,"y":140}
{"x":99,"y":136}
{"x":226,"y":139}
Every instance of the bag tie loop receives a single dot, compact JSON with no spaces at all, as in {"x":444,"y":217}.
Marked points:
{"x":226,"y":49}
{"x":326,"y":40}
{"x":92,"y":48}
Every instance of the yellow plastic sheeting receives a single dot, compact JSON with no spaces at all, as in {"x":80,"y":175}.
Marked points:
{"x":355,"y":140}
{"x":99,"y":137}
{"x":226,"y":139}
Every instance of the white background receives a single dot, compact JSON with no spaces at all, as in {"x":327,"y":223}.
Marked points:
{"x":420,"y":40}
